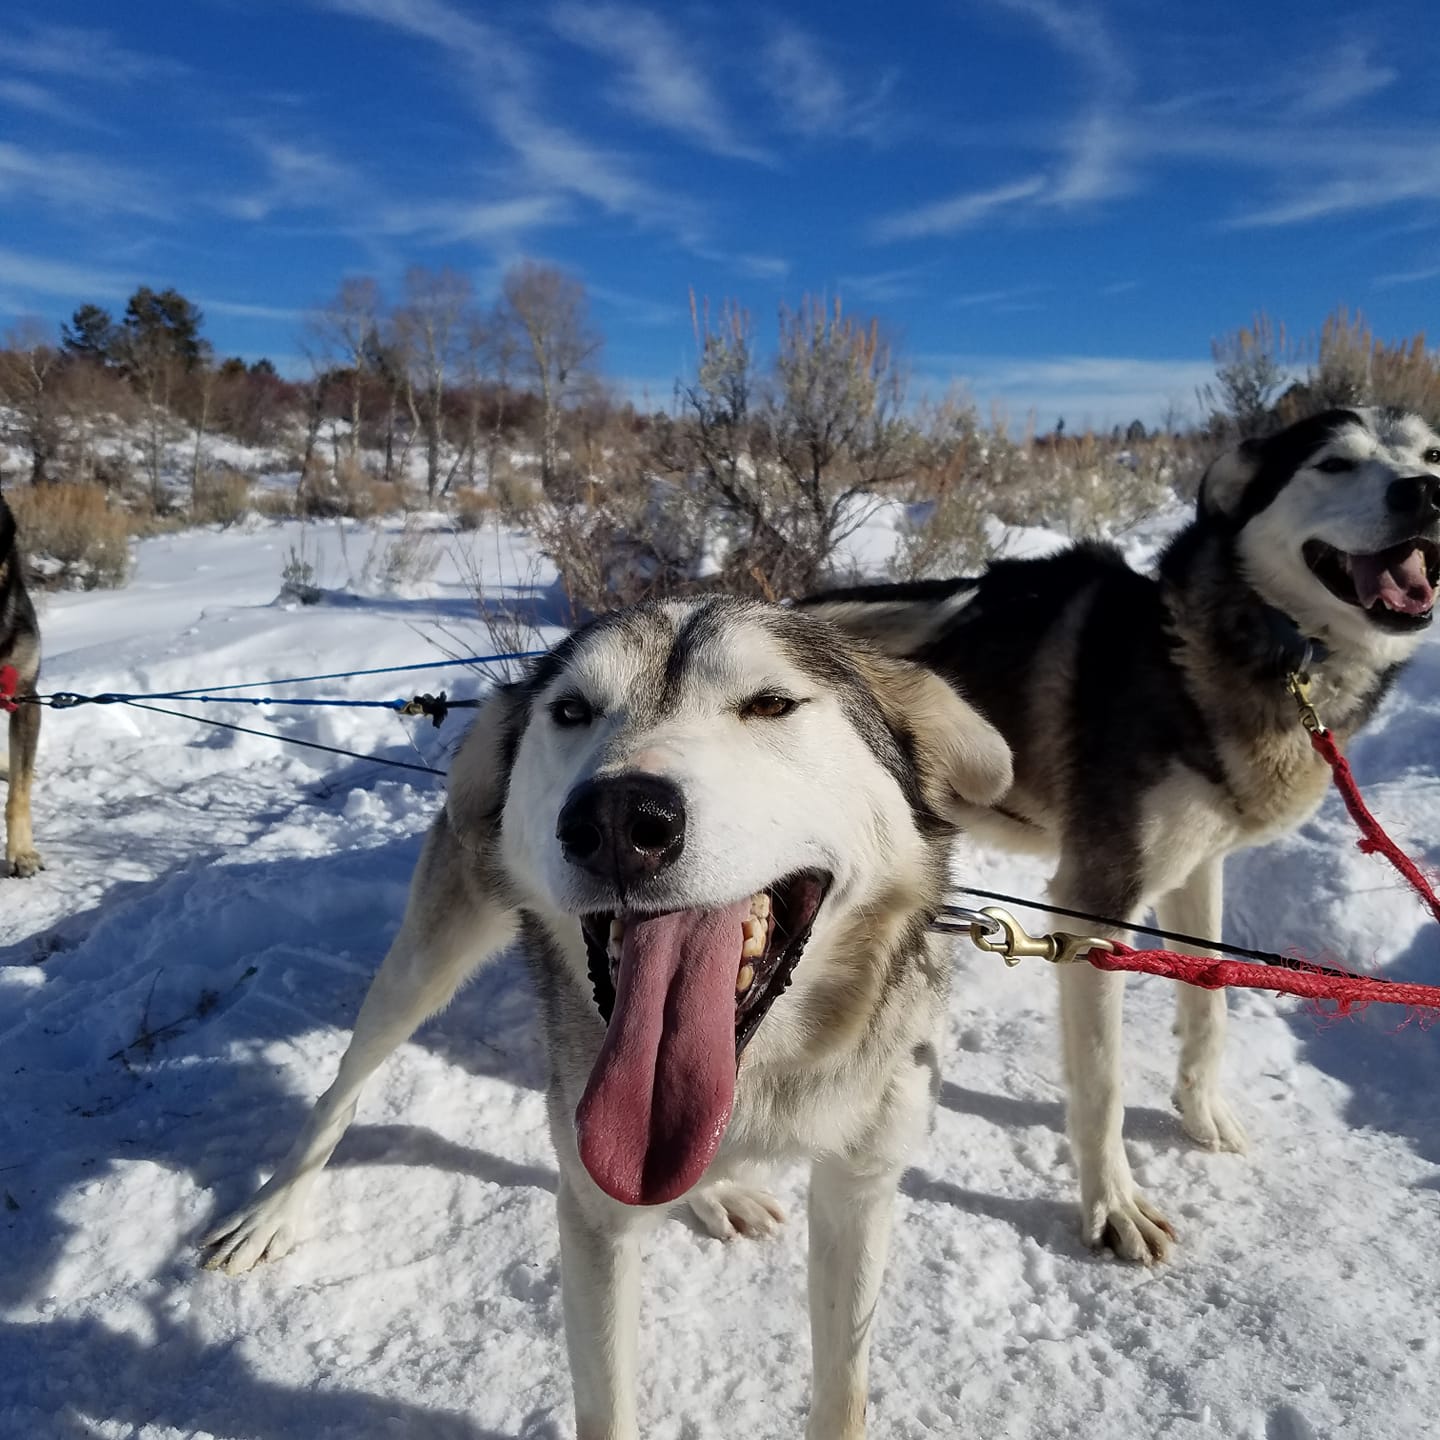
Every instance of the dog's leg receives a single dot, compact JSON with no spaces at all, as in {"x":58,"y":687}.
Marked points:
{"x":1197,"y":908}
{"x":850,"y":1217}
{"x":1112,"y":1211}
{"x":21,"y":857}
{"x":600,"y":1295}
{"x":449,"y":928}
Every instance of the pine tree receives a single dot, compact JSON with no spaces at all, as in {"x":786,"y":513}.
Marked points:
{"x":90,"y":335}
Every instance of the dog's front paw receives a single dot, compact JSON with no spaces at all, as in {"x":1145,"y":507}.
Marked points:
{"x":24,"y":863}
{"x":265,"y":1229}
{"x":726,"y":1210}
{"x":1208,"y":1119}
{"x":1129,"y":1225}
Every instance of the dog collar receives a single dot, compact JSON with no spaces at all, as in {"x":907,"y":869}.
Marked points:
{"x":1289,"y":644}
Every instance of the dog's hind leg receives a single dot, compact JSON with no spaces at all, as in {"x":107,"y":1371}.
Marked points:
{"x":451,"y":925}
{"x":1113,"y":1212}
{"x":600,"y":1295}
{"x":21,"y":857}
{"x":1196,"y":908}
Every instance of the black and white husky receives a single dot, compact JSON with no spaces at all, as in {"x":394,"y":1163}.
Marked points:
{"x":719,"y":831}
{"x":1151,"y":728}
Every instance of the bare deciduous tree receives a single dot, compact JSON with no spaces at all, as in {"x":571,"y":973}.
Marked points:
{"x":29,"y":371}
{"x":433,"y":321}
{"x":550,"y":314}
{"x":344,"y":327}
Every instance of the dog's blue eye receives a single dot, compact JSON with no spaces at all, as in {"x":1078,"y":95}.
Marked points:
{"x":570,"y":711}
{"x":1432,"y":455}
{"x":767,"y":705}
{"x":1335,"y":465}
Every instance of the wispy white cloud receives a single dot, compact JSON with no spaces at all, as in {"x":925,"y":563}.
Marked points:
{"x":26,"y":276}
{"x":17,"y":94}
{"x":1343,"y":76}
{"x":552,"y":155}
{"x":1096,"y":390}
{"x":885,"y":287}
{"x":656,"y":80}
{"x":1407,"y":277}
{"x":994,"y":299}
{"x":811,"y":95}
{"x":640,"y":310}
{"x":76,"y":184}
{"x":956,"y":213}
{"x":1095,"y":155}
{"x":486,"y":51}
{"x":752,"y":266}
{"x":40,"y":275}
{"x":446,"y":222}
{"x":81,"y":54}
{"x":1097,"y":161}
{"x":297,"y":176}
{"x":244,"y":310}
{"x":1318,"y":175}
{"x":499,"y":81}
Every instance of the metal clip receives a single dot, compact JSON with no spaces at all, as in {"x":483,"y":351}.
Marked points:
{"x":1298,"y":684}
{"x":435,"y":706}
{"x":1009,"y":939}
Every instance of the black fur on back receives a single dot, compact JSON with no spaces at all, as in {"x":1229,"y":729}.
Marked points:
{"x":17,"y":614}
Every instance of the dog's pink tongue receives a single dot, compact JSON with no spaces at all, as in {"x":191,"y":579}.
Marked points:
{"x":659,"y":1097}
{"x":1397,"y":577}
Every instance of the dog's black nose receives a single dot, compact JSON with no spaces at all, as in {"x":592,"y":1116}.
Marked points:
{"x":1416,"y":497}
{"x":623,"y":828}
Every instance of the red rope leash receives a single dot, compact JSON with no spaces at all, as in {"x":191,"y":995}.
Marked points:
{"x":9,"y":684}
{"x":1346,"y":991}
{"x":1374,"y":840}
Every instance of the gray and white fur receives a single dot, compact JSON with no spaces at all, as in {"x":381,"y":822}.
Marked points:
{"x":1150,"y":725}
{"x":658,"y":768}
{"x":20,"y":648}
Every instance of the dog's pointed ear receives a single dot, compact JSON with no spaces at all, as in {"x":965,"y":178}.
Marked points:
{"x":1223,"y":486}
{"x":960,"y":758}
{"x":479,"y":777}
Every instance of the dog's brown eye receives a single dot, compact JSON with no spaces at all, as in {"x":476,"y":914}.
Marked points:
{"x":1432,"y":455}
{"x":570,"y":711}
{"x":1335,"y":465}
{"x":767,"y":705}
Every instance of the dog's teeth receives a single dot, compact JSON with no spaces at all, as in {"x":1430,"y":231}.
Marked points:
{"x":617,"y":929}
{"x":754,"y":933}
{"x":745,"y":979}
{"x":760,"y":905}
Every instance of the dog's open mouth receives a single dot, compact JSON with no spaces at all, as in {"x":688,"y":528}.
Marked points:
{"x":682,"y":993}
{"x":1395,"y":587}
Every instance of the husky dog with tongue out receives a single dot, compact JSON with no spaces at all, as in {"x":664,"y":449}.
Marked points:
{"x":1151,"y":729}
{"x":719,"y":831}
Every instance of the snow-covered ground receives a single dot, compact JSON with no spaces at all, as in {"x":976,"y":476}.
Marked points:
{"x":178,"y":985}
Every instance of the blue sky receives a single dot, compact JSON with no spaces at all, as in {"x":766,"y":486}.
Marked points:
{"x":1057,"y":203}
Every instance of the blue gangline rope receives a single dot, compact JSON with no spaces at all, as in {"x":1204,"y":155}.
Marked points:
{"x":222,"y":694}
{"x":436,"y":707}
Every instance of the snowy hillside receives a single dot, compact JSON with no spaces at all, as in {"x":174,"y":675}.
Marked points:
{"x":178,"y":985}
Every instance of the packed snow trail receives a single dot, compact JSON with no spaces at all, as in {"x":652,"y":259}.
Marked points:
{"x":178,"y":985}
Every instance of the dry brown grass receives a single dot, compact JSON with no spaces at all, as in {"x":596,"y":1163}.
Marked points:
{"x":347,"y":490}
{"x":472,"y":508}
{"x":222,"y":498}
{"x":74,"y":538}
